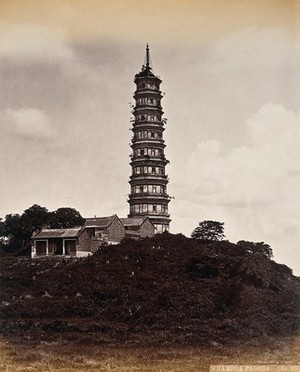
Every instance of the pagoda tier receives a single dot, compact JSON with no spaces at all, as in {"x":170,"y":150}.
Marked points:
{"x":148,"y":194}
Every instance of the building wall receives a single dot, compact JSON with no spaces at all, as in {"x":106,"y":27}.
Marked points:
{"x":96,"y":243}
{"x":147,"y":229}
{"x":116,"y":231}
{"x":84,"y":242}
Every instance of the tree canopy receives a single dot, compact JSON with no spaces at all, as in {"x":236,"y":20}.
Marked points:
{"x":259,"y":248}
{"x":65,"y":218}
{"x":209,"y":230}
{"x":18,"y":229}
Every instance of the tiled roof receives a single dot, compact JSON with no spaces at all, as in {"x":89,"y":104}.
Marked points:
{"x":57,"y":233}
{"x":133,"y":221}
{"x":102,"y":222}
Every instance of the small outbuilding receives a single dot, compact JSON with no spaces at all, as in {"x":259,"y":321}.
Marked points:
{"x":138,"y":227}
{"x":65,"y":242}
{"x":109,"y":229}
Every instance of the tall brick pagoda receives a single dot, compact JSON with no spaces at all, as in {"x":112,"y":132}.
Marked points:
{"x":148,"y":195}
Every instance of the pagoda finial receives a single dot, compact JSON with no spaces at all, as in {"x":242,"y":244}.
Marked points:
{"x":147,"y":56}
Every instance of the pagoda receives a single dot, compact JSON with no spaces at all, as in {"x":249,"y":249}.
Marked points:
{"x":148,"y":181}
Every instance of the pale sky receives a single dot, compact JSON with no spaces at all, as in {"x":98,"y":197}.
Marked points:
{"x":230,"y":71}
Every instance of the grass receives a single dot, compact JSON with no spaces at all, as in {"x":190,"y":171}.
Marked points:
{"x":61,"y":356}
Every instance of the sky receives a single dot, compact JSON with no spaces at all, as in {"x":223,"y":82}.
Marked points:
{"x":230,"y":71}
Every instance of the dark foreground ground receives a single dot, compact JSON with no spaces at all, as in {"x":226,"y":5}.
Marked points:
{"x":278,"y":354}
{"x":163,"y":304}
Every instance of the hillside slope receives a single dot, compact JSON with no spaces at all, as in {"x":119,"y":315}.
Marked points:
{"x":168,"y":289}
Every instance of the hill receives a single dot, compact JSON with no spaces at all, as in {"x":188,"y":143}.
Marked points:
{"x":167,"y":289}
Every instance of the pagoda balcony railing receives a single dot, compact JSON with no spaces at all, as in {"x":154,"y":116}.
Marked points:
{"x":151,"y":124}
{"x":147,"y":121}
{"x":147,"y":90}
{"x":146,"y":156}
{"x":143,"y":158}
{"x":149,"y":176}
{"x":150,"y":214}
{"x":148,"y":124}
{"x":153,"y":194}
{"x":146,"y":106}
{"x":148,"y":139}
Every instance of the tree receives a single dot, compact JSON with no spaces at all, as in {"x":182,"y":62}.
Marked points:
{"x":35,"y":218}
{"x":1,"y":228}
{"x":65,"y":218}
{"x":17,"y":230}
{"x":209,"y":230}
{"x":259,"y":248}
{"x":14,"y":231}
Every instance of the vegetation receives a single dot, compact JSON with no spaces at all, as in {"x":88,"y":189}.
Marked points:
{"x":165,"y":290}
{"x":209,"y":230}
{"x":260,"y":248}
{"x":16,"y":230}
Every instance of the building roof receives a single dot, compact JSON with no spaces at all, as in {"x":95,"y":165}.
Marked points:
{"x":57,"y":233}
{"x":102,"y":222}
{"x":133,"y":221}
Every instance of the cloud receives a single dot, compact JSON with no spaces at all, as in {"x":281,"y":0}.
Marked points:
{"x":253,"y":46}
{"x":253,"y":174}
{"x":33,"y":43}
{"x":254,"y":189}
{"x":273,"y":120}
{"x":28,"y":123}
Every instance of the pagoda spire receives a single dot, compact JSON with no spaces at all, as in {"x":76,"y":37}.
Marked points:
{"x":147,"y":56}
